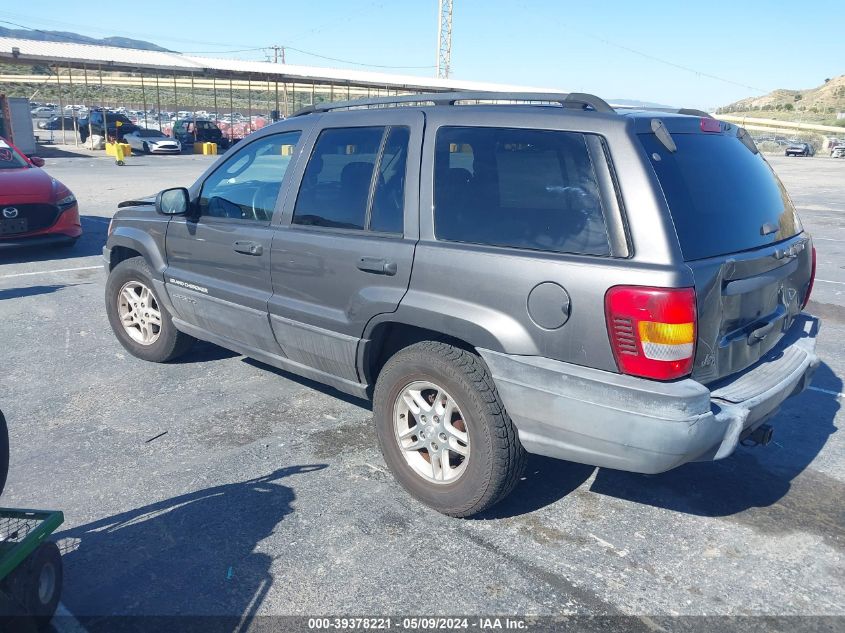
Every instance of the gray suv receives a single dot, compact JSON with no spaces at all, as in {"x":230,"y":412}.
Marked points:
{"x":500,"y":273}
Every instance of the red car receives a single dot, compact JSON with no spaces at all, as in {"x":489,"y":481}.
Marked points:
{"x":35,"y":208}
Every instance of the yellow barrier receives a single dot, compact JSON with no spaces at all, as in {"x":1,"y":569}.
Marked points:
{"x":206,"y":149}
{"x":119,"y":151}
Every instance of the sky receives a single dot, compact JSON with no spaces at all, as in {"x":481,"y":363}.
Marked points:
{"x":689,"y":54}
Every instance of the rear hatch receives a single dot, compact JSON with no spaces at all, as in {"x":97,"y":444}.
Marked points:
{"x":739,"y":234}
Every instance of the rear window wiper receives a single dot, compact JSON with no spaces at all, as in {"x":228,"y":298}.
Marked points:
{"x":662,"y":134}
{"x":745,"y":138}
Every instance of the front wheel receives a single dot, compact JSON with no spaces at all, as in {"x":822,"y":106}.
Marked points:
{"x":141,"y":323}
{"x":443,"y":430}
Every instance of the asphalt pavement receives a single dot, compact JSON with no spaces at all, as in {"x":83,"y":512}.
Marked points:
{"x":217,"y":485}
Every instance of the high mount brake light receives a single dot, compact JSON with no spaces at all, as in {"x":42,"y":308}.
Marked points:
{"x":711,"y":125}
{"x":652,"y":330}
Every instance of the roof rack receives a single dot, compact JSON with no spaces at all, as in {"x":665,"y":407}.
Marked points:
{"x":687,"y":111}
{"x":575,"y":100}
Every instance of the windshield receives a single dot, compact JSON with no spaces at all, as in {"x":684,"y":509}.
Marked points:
{"x":723,"y":198}
{"x":9,"y":158}
{"x":149,"y":133}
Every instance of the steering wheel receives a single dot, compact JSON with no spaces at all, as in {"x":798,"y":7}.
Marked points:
{"x":264,"y":200}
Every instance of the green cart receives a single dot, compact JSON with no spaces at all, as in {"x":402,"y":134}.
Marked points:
{"x":30,"y":566}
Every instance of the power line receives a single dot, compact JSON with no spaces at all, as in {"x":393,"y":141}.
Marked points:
{"x":657,"y":59}
{"x":240,"y":50}
{"x":346,"y":61}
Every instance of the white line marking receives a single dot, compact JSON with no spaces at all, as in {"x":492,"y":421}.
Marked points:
{"x":49,"y":272}
{"x":64,"y":621}
{"x":828,"y":281}
{"x":827,"y":391}
{"x":827,"y":239}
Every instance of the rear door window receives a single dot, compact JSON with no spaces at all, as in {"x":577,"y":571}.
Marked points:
{"x":723,"y":198}
{"x":520,"y":188}
{"x":335,"y":188}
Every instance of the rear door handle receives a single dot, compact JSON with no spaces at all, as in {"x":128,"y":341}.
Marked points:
{"x":248,"y":248}
{"x":376,"y":265}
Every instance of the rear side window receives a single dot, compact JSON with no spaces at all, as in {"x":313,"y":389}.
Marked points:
{"x":336,"y":186}
{"x":722,"y":197}
{"x":531,"y":189}
{"x":387,"y":213}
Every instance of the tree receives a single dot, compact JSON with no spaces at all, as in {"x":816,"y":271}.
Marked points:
{"x":798,"y":97}
{"x":788,"y":107}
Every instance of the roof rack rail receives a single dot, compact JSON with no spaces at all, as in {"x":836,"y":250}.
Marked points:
{"x":687,"y":111}
{"x":577,"y":100}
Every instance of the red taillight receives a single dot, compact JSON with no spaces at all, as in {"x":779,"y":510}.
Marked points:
{"x":812,"y":280}
{"x":652,"y":330}
{"x":711,"y":125}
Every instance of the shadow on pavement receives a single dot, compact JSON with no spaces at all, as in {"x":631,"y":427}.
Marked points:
{"x":57,"y":149}
{"x":312,"y":384}
{"x":202,"y":352}
{"x":194,"y":554}
{"x":771,"y":489}
{"x":31,"y":291}
{"x":544,"y":482}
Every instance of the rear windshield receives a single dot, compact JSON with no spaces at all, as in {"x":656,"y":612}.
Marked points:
{"x":723,"y":198}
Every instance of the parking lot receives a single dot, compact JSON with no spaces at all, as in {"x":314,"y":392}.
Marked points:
{"x":219,"y":485}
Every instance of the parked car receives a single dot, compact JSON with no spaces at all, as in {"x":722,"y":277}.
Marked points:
{"x":605,"y":314}
{"x":838,"y":151}
{"x":190,"y":131}
{"x":799,"y":149}
{"x":152,"y":142}
{"x":56,"y":123}
{"x":117,"y":124}
{"x":35,"y":208}
{"x":44,"y":112}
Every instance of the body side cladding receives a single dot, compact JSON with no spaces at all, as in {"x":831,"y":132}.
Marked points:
{"x":142,"y":242}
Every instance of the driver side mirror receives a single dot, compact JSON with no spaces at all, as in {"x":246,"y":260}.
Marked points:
{"x":37,"y":161}
{"x":176,"y":201}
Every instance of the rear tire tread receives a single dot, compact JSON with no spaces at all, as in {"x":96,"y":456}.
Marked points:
{"x":508,"y":459}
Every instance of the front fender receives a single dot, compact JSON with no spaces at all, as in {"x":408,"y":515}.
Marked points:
{"x":149,"y":244}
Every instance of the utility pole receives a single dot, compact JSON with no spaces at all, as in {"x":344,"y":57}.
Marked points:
{"x":276,"y":50}
{"x":444,"y":38}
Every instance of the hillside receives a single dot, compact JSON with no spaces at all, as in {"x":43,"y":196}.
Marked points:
{"x":64,"y":36}
{"x":814,"y":104}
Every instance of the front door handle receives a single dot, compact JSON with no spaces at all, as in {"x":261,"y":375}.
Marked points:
{"x":376,"y":265}
{"x":248,"y":248}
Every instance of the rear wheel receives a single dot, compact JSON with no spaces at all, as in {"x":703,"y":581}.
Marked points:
{"x":139,"y":320}
{"x":443,"y":430}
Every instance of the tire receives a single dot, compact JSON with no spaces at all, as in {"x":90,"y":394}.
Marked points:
{"x":494,"y":458}
{"x":4,"y":452}
{"x":36,"y":584}
{"x":162,"y":346}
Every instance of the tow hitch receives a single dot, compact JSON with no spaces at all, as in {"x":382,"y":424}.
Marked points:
{"x":760,"y":436}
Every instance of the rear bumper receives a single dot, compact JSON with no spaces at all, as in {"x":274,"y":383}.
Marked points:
{"x":615,"y":421}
